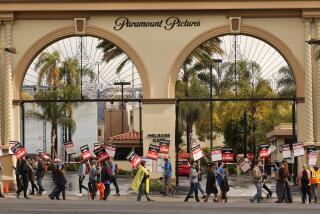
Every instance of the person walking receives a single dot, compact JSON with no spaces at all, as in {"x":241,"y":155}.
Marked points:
{"x":305,"y":187}
{"x":23,"y":173}
{"x":288,"y":179}
{"x":283,"y":184}
{"x":114,"y":168}
{"x":315,"y":180}
{"x":82,"y":176}
{"x":211,"y":186}
{"x":199,"y":181}
{"x":40,"y":174}
{"x":92,"y":185}
{"x":61,"y":182}
{"x":140,"y":182}
{"x":222,"y":182}
{"x":264,"y":177}
{"x":257,"y":180}
{"x":54,"y":194}
{"x":32,"y":176}
{"x":167,"y":173}
{"x":106,"y":173}
{"x":193,"y":178}
{"x":305,"y":168}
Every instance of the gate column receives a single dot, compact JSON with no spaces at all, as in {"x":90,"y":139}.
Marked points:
{"x":317,"y":85}
{"x":6,"y":94}
{"x":158,"y":118}
{"x":308,"y":128}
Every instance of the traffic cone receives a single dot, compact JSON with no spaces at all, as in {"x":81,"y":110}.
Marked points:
{"x":5,"y":187}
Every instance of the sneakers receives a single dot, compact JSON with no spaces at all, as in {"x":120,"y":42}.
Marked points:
{"x":43,"y":193}
{"x":78,"y":194}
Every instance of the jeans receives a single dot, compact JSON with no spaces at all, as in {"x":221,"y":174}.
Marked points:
{"x":257,"y":196}
{"x":306,"y":194}
{"x":200,"y":188}
{"x":81,"y":179}
{"x":193,"y":188}
{"x":314,"y":189}
{"x":115,"y":183}
{"x":106,"y":191}
{"x":39,"y":183}
{"x":92,"y":185}
{"x":33,"y":186}
{"x":142,"y":190}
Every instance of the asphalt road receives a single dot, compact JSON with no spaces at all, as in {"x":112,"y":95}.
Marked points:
{"x":133,"y":207}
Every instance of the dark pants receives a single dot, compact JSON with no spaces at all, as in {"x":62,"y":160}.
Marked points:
{"x":306,"y":191}
{"x":24,"y":186}
{"x":33,"y":186}
{"x":142,"y":190}
{"x":92,"y":185}
{"x":115,"y":183}
{"x":81,"y":179}
{"x":106,"y":191}
{"x":59,"y":188}
{"x":39,"y":183}
{"x":267,"y":189}
{"x":55,"y":192}
{"x":193,"y":189}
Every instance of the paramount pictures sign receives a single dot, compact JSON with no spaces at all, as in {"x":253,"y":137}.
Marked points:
{"x":167,"y":24}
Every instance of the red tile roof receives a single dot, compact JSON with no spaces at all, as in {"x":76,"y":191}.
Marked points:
{"x":128,"y":136}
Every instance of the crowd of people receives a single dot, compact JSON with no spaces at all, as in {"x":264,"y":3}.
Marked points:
{"x":308,"y":181}
{"x":103,"y":174}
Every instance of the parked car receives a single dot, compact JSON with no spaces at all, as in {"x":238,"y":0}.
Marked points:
{"x":183,"y":167}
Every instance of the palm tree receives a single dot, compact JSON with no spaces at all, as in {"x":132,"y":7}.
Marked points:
{"x":112,"y":52}
{"x":54,"y":113}
{"x":193,"y":112}
{"x":286,"y":82}
{"x":48,"y":66}
{"x":199,"y":60}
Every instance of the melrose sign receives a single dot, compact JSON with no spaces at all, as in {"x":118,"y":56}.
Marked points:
{"x":167,"y":24}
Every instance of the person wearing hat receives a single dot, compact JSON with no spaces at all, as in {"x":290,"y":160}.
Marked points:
{"x":257,"y":180}
{"x":167,"y":174}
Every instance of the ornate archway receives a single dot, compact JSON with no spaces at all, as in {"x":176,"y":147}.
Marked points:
{"x":261,"y":34}
{"x":61,"y":33}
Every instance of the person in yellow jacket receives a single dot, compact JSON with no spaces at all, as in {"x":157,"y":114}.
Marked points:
{"x":315,"y":180}
{"x":140,"y":182}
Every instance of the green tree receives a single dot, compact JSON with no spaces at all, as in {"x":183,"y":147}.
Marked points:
{"x":49,"y":70}
{"x":286,"y":82}
{"x":193,"y":112}
{"x":112,"y":52}
{"x":54,"y":113}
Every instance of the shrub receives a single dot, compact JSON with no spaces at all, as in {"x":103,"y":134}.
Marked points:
{"x":71,"y":166}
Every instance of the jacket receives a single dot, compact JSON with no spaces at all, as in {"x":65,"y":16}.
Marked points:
{"x":142,"y":174}
{"x":257,"y":176}
{"x":193,"y":175}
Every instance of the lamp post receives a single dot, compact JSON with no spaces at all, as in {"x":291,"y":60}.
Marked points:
{"x":122,"y":84}
{"x":218,"y":61}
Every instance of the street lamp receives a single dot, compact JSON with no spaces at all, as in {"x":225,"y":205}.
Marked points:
{"x":217,"y":61}
{"x":122,"y":84}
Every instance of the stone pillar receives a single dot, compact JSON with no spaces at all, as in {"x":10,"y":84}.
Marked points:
{"x":308,"y":130}
{"x":6,"y":109}
{"x":317,"y":85}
